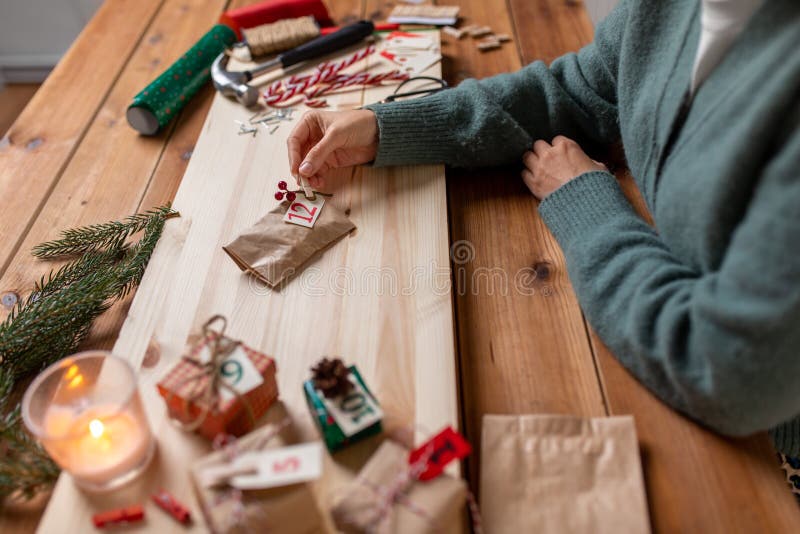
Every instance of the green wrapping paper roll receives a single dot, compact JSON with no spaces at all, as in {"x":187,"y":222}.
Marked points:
{"x":160,"y":101}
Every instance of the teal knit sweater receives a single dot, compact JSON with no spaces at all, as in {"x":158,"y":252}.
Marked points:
{"x":704,"y":309}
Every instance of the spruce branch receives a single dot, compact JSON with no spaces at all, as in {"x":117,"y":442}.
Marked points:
{"x":53,"y":321}
{"x":25,"y":468}
{"x":74,"y":271}
{"x":97,"y":236}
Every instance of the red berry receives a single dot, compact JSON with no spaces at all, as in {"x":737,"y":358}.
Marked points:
{"x":290,"y":196}
{"x":278,"y":196}
{"x":282,"y":185}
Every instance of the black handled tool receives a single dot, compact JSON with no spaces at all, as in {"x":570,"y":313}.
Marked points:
{"x":235,"y":83}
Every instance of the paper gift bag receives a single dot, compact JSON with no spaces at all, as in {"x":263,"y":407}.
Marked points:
{"x":561,"y":474}
{"x":273,"y":250}
{"x":288,"y":509}
{"x":420,"y":507}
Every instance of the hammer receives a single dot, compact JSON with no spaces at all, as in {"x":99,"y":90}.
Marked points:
{"x":234,"y":83}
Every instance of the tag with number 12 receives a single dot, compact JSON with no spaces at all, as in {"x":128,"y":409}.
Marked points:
{"x":304,"y":212}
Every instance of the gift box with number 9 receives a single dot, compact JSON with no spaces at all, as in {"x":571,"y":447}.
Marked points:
{"x":221,"y":386}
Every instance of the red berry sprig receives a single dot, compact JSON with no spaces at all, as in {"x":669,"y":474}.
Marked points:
{"x":282,"y":192}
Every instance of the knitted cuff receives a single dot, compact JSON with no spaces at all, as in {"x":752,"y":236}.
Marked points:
{"x":417,"y":131}
{"x":582,"y":205}
{"x":786,"y":438}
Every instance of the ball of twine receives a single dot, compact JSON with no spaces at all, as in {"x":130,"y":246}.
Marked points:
{"x":279,"y":36}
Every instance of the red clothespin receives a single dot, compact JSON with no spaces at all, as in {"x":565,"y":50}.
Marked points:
{"x":172,"y":506}
{"x":131,"y":514}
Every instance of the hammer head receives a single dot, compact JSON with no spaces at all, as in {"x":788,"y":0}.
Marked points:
{"x":233,"y":84}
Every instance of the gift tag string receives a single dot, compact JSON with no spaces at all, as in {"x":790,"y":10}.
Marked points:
{"x":231,"y":448}
{"x":207,"y":381}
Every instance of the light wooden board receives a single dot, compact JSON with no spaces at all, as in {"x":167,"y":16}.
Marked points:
{"x":379,"y":298}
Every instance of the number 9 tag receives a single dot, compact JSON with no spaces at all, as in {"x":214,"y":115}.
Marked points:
{"x":304,"y":212}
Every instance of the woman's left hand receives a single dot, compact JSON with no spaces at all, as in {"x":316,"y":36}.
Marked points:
{"x":548,"y":167}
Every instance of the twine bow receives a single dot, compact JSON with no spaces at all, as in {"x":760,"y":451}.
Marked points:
{"x":208,"y":376}
{"x":231,"y":449}
{"x":395,"y":493}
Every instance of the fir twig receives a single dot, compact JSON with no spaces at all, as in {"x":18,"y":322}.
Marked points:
{"x":25,"y":468}
{"x":58,"y":315}
{"x":74,"y":271}
{"x":98,"y":236}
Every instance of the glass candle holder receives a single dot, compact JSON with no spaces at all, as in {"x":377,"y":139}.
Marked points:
{"x":86,"y":412}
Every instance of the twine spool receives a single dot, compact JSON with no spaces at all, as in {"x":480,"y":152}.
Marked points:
{"x":279,"y":36}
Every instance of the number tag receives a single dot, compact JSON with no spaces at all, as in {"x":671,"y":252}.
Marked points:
{"x":237,"y":371}
{"x":272,"y":467}
{"x":355,"y":411}
{"x":440,"y":450}
{"x":304,"y":212}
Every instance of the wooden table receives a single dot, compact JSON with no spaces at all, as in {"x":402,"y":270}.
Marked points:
{"x":72,"y":159}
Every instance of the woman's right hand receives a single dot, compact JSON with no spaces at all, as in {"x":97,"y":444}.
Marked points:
{"x":325,"y":140}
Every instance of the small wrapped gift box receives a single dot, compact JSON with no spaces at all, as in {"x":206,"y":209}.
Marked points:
{"x":346,"y":412}
{"x":221,"y":387}
{"x":386,"y":498}
{"x":229,"y":509}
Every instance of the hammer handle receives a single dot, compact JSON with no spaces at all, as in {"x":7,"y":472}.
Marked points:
{"x":347,"y":36}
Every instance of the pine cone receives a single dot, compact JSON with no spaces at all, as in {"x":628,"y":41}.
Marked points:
{"x":332,"y":378}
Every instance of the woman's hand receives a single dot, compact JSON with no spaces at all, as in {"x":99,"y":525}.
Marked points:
{"x":325,"y":140}
{"x":548,"y":167}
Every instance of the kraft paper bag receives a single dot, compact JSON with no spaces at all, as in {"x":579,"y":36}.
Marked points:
{"x":561,"y":474}
{"x":273,"y":250}
{"x":421,"y":507}
{"x":288,"y":509}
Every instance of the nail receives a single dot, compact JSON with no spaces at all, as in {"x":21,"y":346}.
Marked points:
{"x":306,"y":168}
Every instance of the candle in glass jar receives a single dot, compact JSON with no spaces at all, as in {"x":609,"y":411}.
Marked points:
{"x":86,"y":412}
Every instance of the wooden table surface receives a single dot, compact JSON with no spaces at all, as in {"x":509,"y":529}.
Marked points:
{"x":72,"y":159}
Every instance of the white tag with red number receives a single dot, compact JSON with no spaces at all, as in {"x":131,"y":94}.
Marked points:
{"x":269,"y":468}
{"x":304,"y":212}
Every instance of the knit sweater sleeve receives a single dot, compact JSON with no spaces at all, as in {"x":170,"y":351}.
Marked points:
{"x":493,"y":121}
{"x":720,"y":346}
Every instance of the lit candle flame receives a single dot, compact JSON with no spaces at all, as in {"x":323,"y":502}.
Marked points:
{"x":72,"y":371}
{"x":96,"y":428}
{"x":74,"y":376}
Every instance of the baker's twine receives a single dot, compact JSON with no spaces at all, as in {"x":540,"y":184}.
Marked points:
{"x":396,"y":493}
{"x":231,"y":449}
{"x":221,"y":347}
{"x":326,"y":79}
{"x":279,"y":36}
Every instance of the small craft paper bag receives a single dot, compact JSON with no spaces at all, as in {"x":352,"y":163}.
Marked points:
{"x":282,"y":510}
{"x":438,"y":502}
{"x":273,"y":250}
{"x":556,"y":474}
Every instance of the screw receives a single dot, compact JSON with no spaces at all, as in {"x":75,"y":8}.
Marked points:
{"x":9,"y":299}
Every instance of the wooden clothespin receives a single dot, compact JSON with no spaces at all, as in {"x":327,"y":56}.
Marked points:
{"x":220,"y":475}
{"x":307,"y":191}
